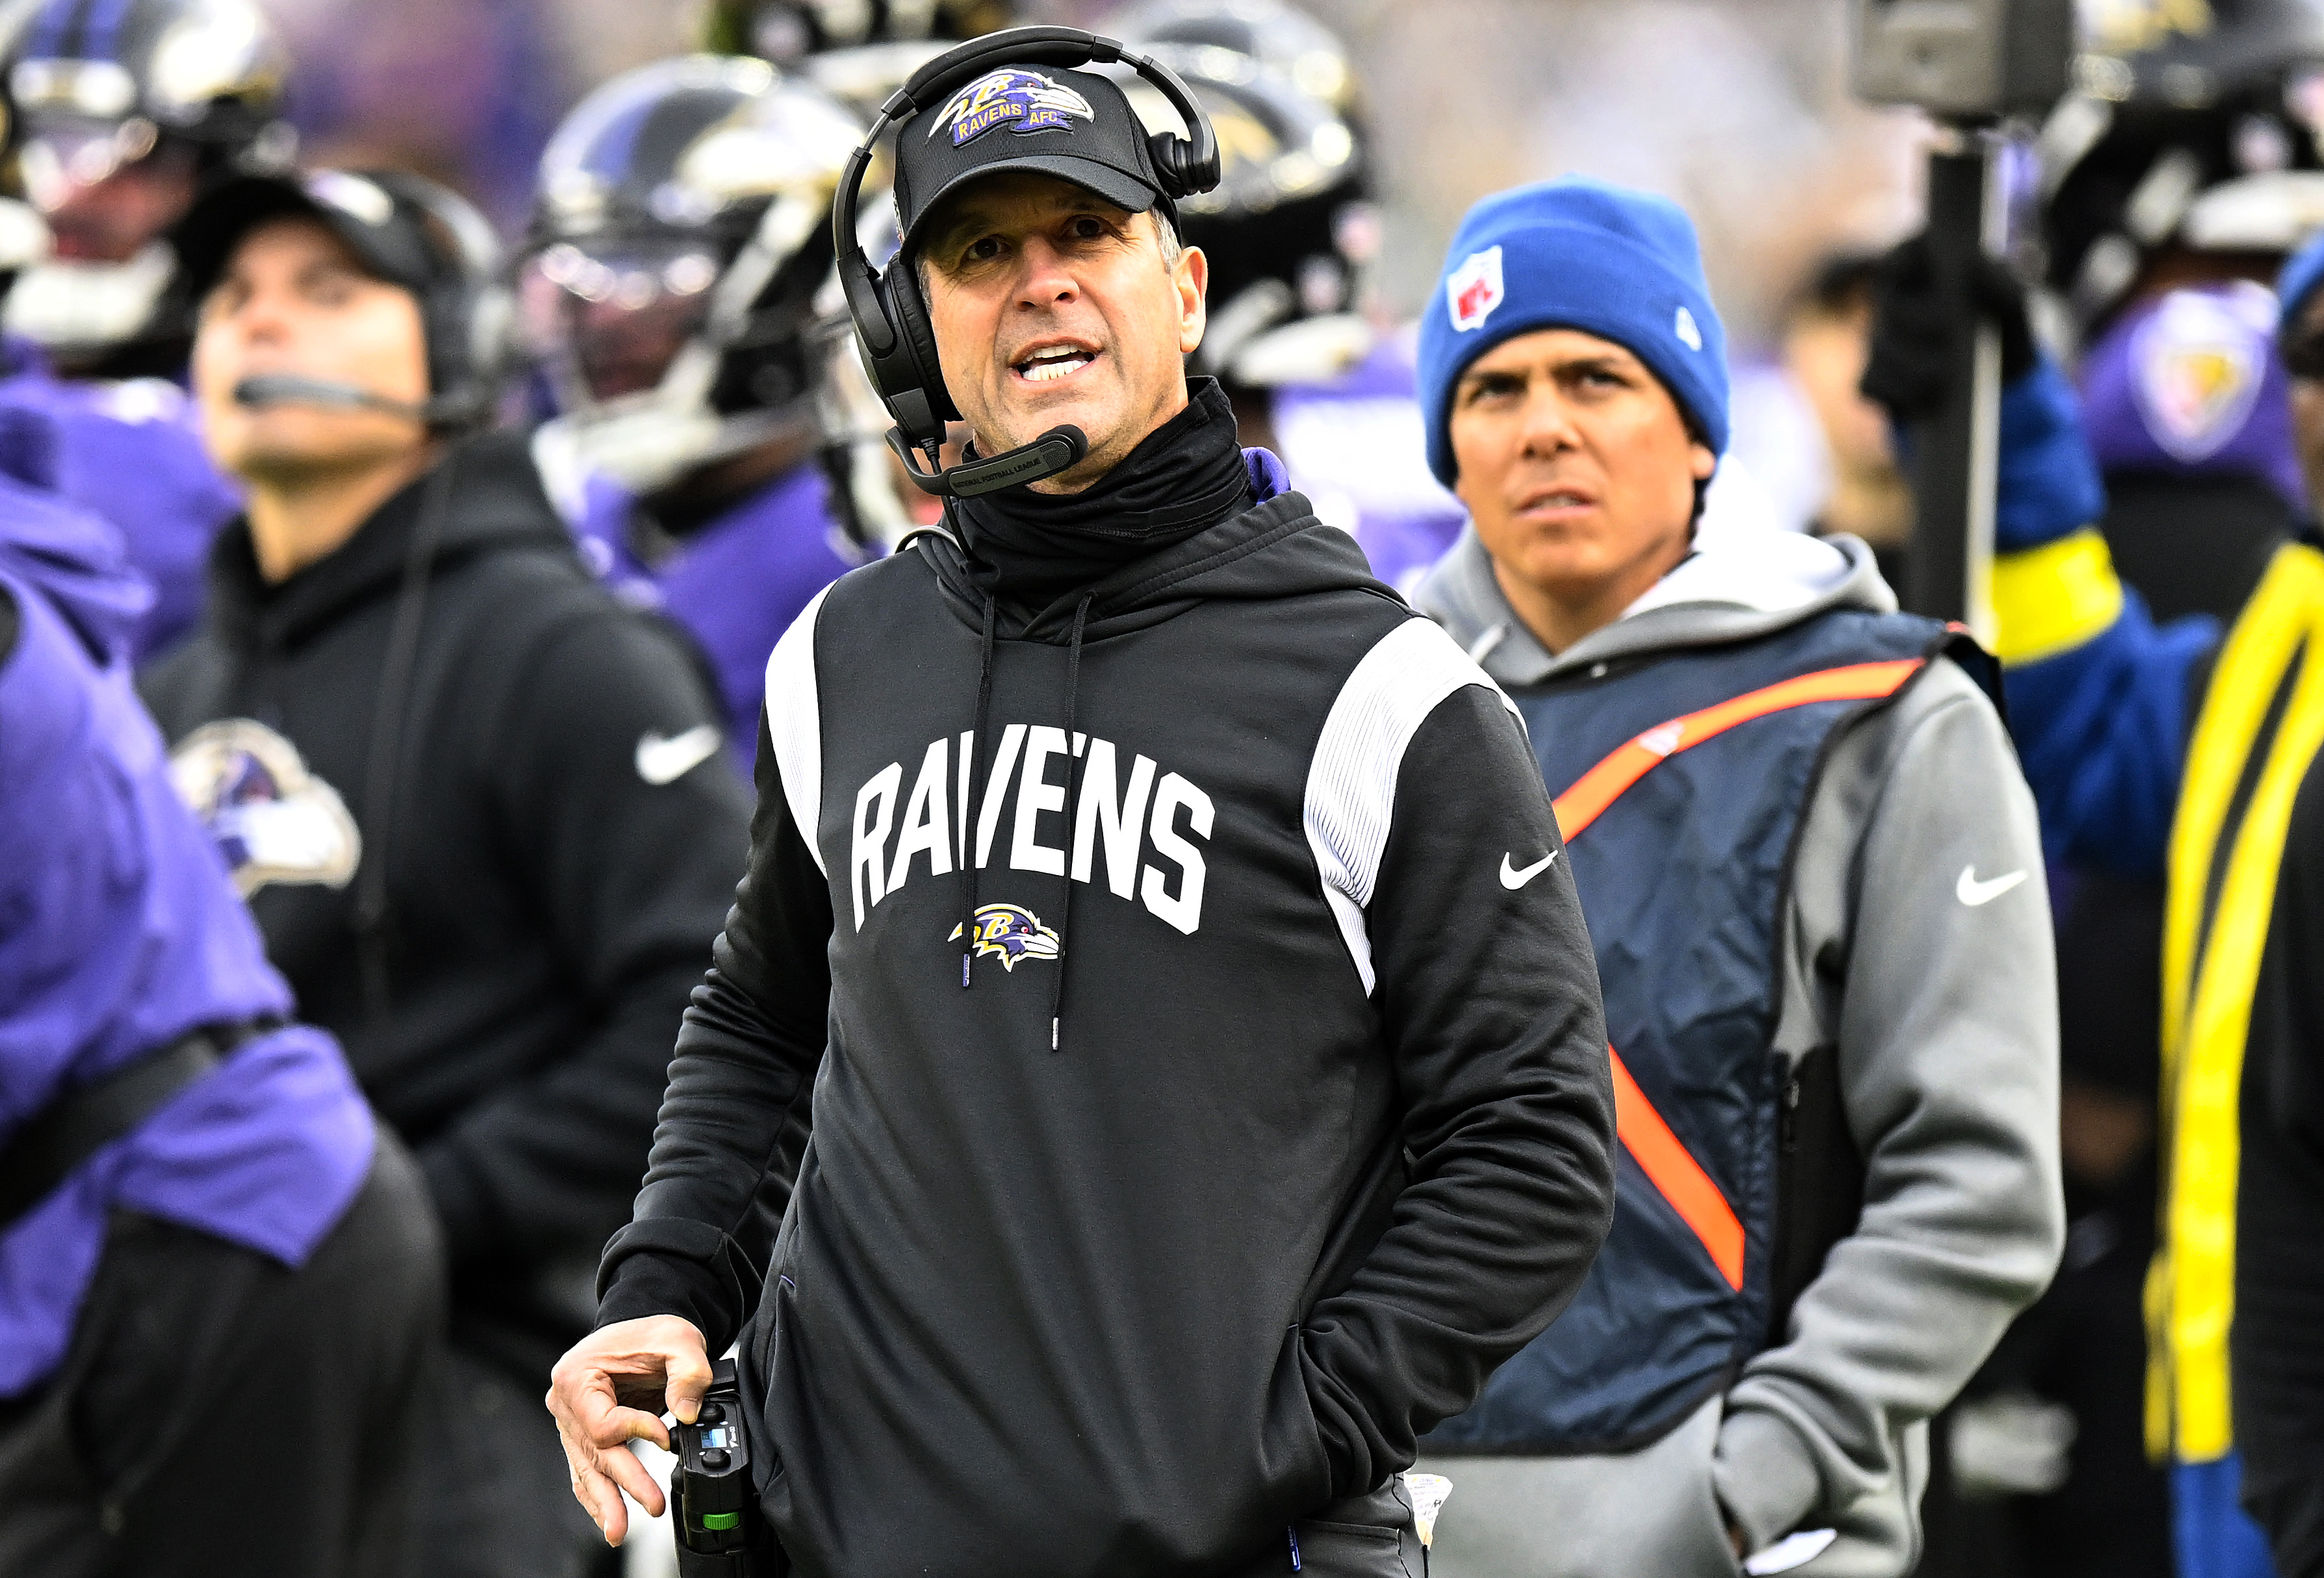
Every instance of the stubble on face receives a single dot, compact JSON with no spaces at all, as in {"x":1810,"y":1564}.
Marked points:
{"x":1053,"y":306}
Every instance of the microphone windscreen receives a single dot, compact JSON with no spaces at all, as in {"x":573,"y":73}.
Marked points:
{"x":290,"y":388}
{"x":265,"y":388}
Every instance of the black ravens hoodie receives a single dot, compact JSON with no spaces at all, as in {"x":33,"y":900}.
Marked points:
{"x":1273,"y":1114}
{"x":538,"y":882}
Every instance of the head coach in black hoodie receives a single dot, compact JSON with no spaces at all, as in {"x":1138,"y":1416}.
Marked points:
{"x":1153,"y":1068}
{"x":478,"y":809}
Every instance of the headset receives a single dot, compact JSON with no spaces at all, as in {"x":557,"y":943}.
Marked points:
{"x":470,"y":311}
{"x":893,"y":330}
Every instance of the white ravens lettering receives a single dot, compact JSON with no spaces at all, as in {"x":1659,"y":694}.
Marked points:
{"x":1134,"y":829}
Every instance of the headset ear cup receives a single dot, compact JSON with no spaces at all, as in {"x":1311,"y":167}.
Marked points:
{"x":467,"y":325}
{"x":882,"y":347}
{"x":1168,"y":151}
{"x":901,"y":291}
{"x":1183,"y":175}
{"x":445,"y":332}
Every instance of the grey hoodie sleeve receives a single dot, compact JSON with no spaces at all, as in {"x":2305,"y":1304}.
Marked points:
{"x":1918,"y":945}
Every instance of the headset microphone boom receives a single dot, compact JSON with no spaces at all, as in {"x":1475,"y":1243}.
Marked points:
{"x":265,"y":388}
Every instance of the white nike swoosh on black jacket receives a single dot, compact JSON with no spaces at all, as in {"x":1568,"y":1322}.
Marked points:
{"x":666,"y":758}
{"x":1514,"y":877}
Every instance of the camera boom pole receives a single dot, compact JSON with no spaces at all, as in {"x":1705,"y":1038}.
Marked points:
{"x":1955,"y":451}
{"x":1969,"y":63}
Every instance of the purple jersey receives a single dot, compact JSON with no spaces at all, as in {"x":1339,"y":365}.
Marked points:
{"x":119,"y":933}
{"x":131,"y":451}
{"x":1356,"y":446}
{"x":735,"y":584}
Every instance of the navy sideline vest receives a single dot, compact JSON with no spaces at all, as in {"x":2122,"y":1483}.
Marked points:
{"x":1681,"y":782}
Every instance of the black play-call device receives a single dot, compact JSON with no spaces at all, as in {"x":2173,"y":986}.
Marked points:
{"x":714,"y":1507}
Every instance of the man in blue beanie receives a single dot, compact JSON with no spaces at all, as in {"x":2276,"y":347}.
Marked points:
{"x":1813,"y":880}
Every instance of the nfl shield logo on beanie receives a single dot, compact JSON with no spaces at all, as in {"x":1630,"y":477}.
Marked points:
{"x":1473,"y":289}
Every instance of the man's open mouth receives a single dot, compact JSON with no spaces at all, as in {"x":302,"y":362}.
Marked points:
{"x":1051,"y":363}
{"x":1558,"y":499}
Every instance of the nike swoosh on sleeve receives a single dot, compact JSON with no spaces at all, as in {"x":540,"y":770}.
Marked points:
{"x":1792,"y":1551}
{"x":1973,"y":893}
{"x":661,"y":761}
{"x":1512,"y":879}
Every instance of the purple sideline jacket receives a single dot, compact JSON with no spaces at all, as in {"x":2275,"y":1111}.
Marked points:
{"x":734,"y":586}
{"x":1358,"y":449}
{"x":130,"y":452}
{"x":119,"y":932}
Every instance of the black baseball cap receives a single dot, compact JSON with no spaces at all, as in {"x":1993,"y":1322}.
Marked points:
{"x":387,"y":229}
{"x":1072,"y":124}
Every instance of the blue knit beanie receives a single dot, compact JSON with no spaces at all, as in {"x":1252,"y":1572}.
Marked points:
{"x":2299,"y":281}
{"x":1575,"y":254}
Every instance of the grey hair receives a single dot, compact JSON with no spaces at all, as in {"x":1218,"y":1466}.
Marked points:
{"x":1166,"y":236}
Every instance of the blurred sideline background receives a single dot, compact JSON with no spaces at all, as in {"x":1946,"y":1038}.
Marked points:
{"x":1739,"y":109}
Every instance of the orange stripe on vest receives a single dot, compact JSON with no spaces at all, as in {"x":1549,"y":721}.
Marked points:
{"x":1660,"y":1154}
{"x":1673,"y":1170}
{"x":1604,"y":784}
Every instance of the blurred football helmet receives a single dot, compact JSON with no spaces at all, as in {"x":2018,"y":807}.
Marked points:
{"x":677,"y":245}
{"x":2191,"y":125}
{"x":789,"y":30}
{"x":857,"y":51}
{"x":123,"y":111}
{"x":1289,"y":231}
{"x":1266,"y":34}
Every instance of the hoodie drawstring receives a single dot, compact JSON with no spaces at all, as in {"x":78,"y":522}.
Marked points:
{"x":973,"y":806}
{"x":387,"y":729}
{"x":968,"y":811}
{"x":1073,"y":803}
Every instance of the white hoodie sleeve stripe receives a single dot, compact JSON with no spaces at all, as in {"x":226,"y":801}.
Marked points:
{"x":1351,"y":797}
{"x":795,"y":724}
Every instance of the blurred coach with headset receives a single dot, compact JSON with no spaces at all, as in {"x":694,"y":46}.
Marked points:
{"x":1152,"y":1176}
{"x":477,"y":806}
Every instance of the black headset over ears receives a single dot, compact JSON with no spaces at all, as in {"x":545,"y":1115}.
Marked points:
{"x":890,"y":315}
{"x":468,"y":314}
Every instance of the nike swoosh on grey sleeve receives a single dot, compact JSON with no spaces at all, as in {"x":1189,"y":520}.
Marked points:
{"x":1351,"y":797}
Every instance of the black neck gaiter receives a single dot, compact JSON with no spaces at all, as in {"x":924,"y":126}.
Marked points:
{"x":1186,"y":475}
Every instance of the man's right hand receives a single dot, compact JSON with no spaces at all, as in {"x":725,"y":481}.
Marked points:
{"x":611,"y":1389}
